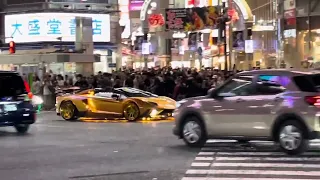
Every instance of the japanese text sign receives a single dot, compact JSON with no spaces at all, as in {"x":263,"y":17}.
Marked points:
{"x":40,"y":27}
{"x":191,"y":19}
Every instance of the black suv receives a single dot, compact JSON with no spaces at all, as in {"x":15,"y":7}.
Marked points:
{"x":16,"y":108}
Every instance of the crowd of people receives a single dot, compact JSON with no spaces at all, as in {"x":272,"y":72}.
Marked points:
{"x":175,"y":83}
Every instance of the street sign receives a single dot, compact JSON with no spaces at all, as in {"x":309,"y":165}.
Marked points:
{"x":249,"y":46}
{"x":112,"y":65}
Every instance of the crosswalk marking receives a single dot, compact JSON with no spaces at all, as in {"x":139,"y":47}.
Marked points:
{"x":200,"y":164}
{"x":253,"y":172}
{"x":229,"y":160}
{"x":206,"y":153}
{"x":269,"y":165}
{"x":204,"y":159}
{"x":211,"y":178}
{"x":265,"y":159}
{"x":252,"y":153}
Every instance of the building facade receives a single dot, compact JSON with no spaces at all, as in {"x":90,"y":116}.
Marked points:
{"x":301,"y":32}
{"x":265,"y":34}
{"x":47,"y":32}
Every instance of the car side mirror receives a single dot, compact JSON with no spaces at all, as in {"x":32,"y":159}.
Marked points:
{"x":210,"y":91}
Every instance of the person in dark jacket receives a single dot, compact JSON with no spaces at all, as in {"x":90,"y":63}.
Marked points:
{"x":158,"y":87}
{"x":81,"y":82}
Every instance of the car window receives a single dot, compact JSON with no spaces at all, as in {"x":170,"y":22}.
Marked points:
{"x":11,"y":85}
{"x":271,"y":84}
{"x":308,"y":83}
{"x":104,"y":94}
{"x":122,"y":97}
{"x":239,"y":86}
{"x":132,"y":92}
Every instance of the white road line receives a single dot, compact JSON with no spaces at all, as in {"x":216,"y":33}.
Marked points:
{"x":246,"y":178}
{"x":195,"y":164}
{"x":258,"y":153}
{"x":265,"y":158}
{"x":222,"y":141}
{"x":253,"y":172}
{"x":314,"y":144}
{"x":211,"y":142}
{"x":204,"y":158}
{"x":206,"y":153}
{"x":266,"y":165}
{"x":225,"y":140}
{"x":249,"y":153}
{"x":216,"y":149}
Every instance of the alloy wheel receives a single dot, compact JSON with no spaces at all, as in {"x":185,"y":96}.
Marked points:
{"x":192,"y":132}
{"x":131,"y":112}
{"x":290,"y":137}
{"x":67,"y":111}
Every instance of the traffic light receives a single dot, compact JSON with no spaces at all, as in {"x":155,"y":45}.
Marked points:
{"x":12,"y":47}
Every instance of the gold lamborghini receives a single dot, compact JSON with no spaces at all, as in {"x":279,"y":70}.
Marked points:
{"x":128,"y":103}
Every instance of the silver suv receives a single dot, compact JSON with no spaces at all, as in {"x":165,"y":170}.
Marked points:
{"x":276,"y":105}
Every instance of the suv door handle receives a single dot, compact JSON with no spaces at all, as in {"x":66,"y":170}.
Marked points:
{"x":277,"y":99}
{"x":239,"y":100}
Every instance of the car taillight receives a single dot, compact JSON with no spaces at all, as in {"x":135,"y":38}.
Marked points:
{"x":313,"y":100}
{"x":30,"y":95}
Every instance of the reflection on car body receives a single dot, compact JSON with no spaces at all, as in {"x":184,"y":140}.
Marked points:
{"x":128,"y":103}
{"x":276,"y":105}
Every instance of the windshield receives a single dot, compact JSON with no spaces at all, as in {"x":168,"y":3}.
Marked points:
{"x":131,"y":92}
{"x":11,"y":85}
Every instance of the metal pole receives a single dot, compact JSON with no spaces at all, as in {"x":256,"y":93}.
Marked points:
{"x":309,"y":28}
{"x":145,"y":56}
{"x":225,"y":38}
{"x":231,"y":62}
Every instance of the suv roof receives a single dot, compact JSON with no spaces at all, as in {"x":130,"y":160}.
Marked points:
{"x":287,"y":72}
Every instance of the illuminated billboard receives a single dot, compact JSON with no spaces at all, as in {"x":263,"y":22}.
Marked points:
{"x":47,"y":27}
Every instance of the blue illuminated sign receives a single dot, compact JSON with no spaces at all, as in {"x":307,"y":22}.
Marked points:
{"x":39,"y":27}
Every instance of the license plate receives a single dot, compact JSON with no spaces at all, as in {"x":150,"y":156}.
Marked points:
{"x":10,"y":107}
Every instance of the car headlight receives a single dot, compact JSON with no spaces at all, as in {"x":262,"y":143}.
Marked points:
{"x":153,"y":113}
{"x":37,"y":100}
{"x":179,"y":103}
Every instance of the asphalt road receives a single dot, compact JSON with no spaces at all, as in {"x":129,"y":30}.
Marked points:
{"x":58,"y":150}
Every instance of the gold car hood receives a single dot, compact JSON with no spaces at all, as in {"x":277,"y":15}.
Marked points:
{"x":162,"y":101}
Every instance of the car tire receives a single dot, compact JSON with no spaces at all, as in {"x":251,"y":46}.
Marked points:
{"x":68,"y":106}
{"x":193,"y":132}
{"x":292,"y":138}
{"x":22,"y":128}
{"x":131,"y":112}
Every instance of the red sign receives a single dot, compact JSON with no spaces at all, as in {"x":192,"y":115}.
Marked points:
{"x":191,"y":2}
{"x":156,"y":20}
{"x":233,"y":15}
{"x":290,"y":14}
{"x":12,"y":47}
